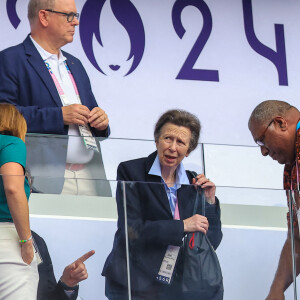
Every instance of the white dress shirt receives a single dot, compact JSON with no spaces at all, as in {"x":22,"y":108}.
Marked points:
{"x":77,"y":152}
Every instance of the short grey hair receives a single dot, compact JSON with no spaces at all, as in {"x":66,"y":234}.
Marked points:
{"x":267,"y":110}
{"x":34,"y":6}
{"x":180,"y":118}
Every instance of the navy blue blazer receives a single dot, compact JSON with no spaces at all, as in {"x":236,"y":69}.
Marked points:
{"x":26,"y":83}
{"x":48,"y":288}
{"x":151,"y":227}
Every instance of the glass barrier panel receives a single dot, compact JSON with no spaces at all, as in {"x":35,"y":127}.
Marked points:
{"x":65,"y":191}
{"x":294,"y":242}
{"x":248,"y":244}
{"x":241,"y":166}
{"x":51,"y":158}
{"x":253,"y":237}
{"x":72,"y":225}
{"x":135,"y":227}
{"x":56,"y":161}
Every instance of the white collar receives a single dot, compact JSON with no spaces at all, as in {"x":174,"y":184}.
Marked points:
{"x":181,"y":177}
{"x":47,"y":55}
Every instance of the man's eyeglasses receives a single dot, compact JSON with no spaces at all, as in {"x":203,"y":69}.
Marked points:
{"x":260,"y":141}
{"x":70,"y":16}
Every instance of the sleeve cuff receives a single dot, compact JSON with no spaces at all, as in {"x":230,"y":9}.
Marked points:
{"x":68,"y":288}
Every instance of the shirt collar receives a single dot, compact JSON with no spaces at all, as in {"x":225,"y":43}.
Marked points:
{"x":181,"y":177}
{"x":47,"y":55}
{"x":298,"y":125}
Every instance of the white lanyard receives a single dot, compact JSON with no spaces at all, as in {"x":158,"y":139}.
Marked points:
{"x":58,"y":86}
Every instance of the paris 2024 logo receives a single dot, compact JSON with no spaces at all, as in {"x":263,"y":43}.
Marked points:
{"x":127,"y":16}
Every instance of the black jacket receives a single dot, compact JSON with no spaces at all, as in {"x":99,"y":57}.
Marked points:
{"x":48,"y":288}
{"x":151,"y":227}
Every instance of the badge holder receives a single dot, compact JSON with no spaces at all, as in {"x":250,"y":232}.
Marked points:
{"x":89,"y":140}
{"x":167,"y":267}
{"x":169,"y":262}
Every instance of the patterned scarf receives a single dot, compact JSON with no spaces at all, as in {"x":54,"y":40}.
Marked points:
{"x":290,"y":175}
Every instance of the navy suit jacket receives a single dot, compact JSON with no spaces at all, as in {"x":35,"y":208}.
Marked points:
{"x":151,"y":227}
{"x":26,"y":83}
{"x":48,"y":288}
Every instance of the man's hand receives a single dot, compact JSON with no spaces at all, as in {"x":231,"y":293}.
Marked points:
{"x":196,"y":223}
{"x":75,"y":114}
{"x":208,"y":186}
{"x":76,"y":272}
{"x":98,"y":118}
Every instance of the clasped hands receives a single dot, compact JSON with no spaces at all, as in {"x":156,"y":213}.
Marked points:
{"x":199,"y":222}
{"x":80,"y":115}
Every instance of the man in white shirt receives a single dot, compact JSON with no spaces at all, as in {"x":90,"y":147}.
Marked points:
{"x":52,"y":90}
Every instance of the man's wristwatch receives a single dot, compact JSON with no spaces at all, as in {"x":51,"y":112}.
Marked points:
{"x":68,"y":288}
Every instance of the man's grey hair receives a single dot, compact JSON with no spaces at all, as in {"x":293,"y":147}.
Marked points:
{"x":267,"y":110}
{"x":34,"y":6}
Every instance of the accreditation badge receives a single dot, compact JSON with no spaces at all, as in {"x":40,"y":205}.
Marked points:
{"x":168,"y":265}
{"x":89,"y":140}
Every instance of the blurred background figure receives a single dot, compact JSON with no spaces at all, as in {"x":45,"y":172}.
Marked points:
{"x":18,"y":263}
{"x":160,"y":205}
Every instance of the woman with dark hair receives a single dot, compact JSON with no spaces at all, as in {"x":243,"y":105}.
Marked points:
{"x":18,"y":265}
{"x":159,"y":203}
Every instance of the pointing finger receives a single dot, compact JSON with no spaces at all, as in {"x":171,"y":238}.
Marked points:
{"x":85,"y":256}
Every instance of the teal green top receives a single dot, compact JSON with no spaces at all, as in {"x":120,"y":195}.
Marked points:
{"x":12,"y":149}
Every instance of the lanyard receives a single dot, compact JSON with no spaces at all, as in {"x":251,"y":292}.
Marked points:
{"x":84,"y":130}
{"x":72,"y":79}
{"x":168,"y":264}
{"x":297,"y":170}
{"x":57,"y":84}
{"x":176,"y":213}
{"x":297,"y":176}
{"x":296,"y":163}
